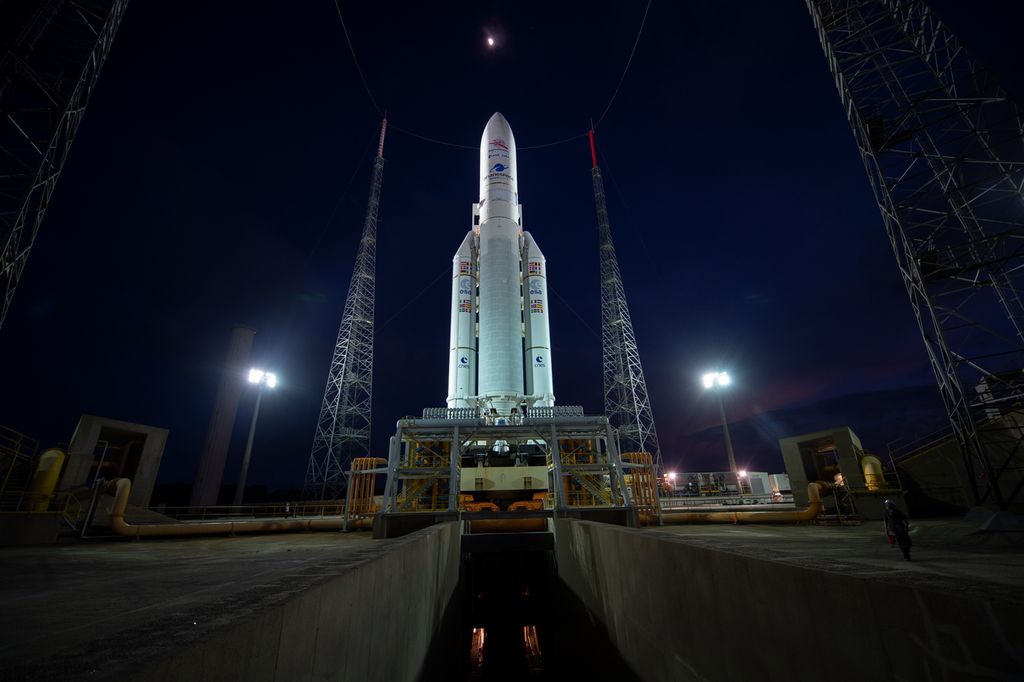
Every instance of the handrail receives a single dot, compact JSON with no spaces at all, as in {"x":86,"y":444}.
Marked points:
{"x":121,"y":488}
{"x":812,"y":511}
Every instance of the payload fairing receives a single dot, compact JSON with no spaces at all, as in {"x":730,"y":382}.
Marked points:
{"x":499,"y":295}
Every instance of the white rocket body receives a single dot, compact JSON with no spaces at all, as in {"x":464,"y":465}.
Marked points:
{"x":503,"y":287}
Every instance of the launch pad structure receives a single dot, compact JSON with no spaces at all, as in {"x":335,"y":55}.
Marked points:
{"x":461,"y":463}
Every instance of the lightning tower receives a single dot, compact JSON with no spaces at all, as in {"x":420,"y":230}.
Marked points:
{"x":343,"y":427}
{"x":626,"y":402}
{"x":53,"y":51}
{"x":943,"y":146}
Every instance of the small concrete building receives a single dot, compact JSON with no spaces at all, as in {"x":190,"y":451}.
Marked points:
{"x":836,"y":456}
{"x":111,"y":448}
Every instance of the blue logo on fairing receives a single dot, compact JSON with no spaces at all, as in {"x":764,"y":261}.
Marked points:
{"x":500,"y":167}
{"x":463,"y":360}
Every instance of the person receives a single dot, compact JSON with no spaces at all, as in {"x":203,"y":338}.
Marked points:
{"x":897,"y":527}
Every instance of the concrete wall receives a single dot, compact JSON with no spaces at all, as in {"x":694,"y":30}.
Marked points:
{"x":350,"y":626}
{"x":681,"y":612}
{"x":939,"y":476}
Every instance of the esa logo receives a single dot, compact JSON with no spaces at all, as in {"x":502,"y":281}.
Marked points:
{"x":499,"y":168}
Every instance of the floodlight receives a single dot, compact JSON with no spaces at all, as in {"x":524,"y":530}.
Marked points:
{"x":270,"y":380}
{"x":256,"y":376}
{"x":709,"y":379}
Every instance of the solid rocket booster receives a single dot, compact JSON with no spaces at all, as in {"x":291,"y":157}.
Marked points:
{"x":500,"y":336}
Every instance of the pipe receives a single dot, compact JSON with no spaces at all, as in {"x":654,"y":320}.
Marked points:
{"x":871,"y":467}
{"x":809,"y":514}
{"x":121,"y":487}
{"x":44,"y":480}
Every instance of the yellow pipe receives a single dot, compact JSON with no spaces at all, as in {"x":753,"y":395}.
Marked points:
{"x":812,"y":511}
{"x":44,"y":480}
{"x":121,"y":487}
{"x":871,"y":466}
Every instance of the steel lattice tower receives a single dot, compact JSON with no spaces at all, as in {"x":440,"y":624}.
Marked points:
{"x":343,"y":427}
{"x":943,"y":145}
{"x":626,"y":402}
{"x":53,"y":51}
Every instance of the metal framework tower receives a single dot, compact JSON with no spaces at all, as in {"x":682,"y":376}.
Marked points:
{"x":943,"y":145}
{"x":53,"y":51}
{"x":343,"y":427}
{"x":626,"y":402}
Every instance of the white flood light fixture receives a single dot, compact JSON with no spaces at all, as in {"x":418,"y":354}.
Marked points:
{"x":712,"y":379}
{"x":262,"y":379}
{"x":718,"y":380}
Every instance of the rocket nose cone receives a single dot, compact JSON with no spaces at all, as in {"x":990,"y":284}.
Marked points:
{"x":497,"y":128}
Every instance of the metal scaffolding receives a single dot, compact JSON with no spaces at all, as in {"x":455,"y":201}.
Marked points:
{"x":584,"y":468}
{"x":343,"y":427}
{"x":626,"y":402}
{"x":943,"y":145}
{"x":56,"y":50}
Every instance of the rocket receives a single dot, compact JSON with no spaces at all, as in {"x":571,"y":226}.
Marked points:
{"x":500,"y":344}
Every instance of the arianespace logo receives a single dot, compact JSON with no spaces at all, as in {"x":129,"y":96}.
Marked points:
{"x":499,"y":168}
{"x":498,"y":142}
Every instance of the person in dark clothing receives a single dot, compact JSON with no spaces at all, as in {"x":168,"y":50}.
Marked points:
{"x":897,"y":527}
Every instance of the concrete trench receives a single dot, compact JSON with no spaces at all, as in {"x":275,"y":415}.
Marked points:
{"x":607,"y":602}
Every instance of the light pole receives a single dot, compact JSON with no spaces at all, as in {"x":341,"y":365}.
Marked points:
{"x":262,"y":380}
{"x":718,"y":381}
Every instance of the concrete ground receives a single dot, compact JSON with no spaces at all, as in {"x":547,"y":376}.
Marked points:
{"x":72,"y":609}
{"x":947,"y":555}
{"x":65,"y":605}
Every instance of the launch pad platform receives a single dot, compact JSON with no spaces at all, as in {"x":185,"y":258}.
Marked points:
{"x":461,"y":463}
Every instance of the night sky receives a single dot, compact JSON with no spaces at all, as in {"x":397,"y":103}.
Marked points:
{"x":221,"y":172}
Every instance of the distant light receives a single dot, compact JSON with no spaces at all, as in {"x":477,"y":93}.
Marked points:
{"x":271,"y":380}
{"x":712,"y":378}
{"x":256,"y":376}
{"x":743,"y":474}
{"x":672,"y":476}
{"x":490,"y":41}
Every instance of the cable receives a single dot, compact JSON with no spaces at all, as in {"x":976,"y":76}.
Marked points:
{"x":628,"y":62}
{"x":356,"y":61}
{"x":447,"y":269}
{"x":573,"y":311}
{"x":430,"y":139}
{"x":434,"y":140}
{"x":344,"y":194}
{"x":635,"y":229}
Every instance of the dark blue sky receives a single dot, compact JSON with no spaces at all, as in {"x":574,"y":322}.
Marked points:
{"x":221,"y":173}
